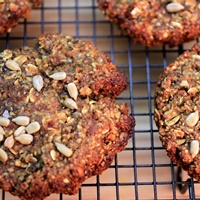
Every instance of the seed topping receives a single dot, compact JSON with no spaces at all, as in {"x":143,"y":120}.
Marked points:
{"x":3,"y":156}
{"x":64,"y":149}
{"x":174,"y":7}
{"x":4,"y":121}
{"x":12,"y":65}
{"x":19,"y":131}
{"x":194,"y":148}
{"x":21,"y":120}
{"x":9,"y":142}
{"x":38,"y":82}
{"x":24,"y":138}
{"x":192,"y":119}
{"x":58,"y":76}
{"x":72,"y":89}
{"x":70,"y":103}
{"x":33,"y":127}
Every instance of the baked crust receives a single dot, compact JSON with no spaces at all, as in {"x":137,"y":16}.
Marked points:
{"x":177,"y":111}
{"x":71,"y":140}
{"x":154,"y":22}
{"x":12,"y":11}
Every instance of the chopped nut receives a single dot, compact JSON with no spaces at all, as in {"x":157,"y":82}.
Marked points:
{"x":72,"y":89}
{"x":24,"y":138}
{"x":192,"y":119}
{"x":66,"y":180}
{"x":21,"y":59}
{"x":58,"y":76}
{"x":12,"y":65}
{"x":194,"y":147}
{"x":19,"y":131}
{"x":172,"y":121}
{"x":181,"y":141}
{"x":184,"y":83}
{"x":4,"y":121}
{"x":32,"y":69}
{"x":174,"y":7}
{"x":38,"y":82}
{"x":33,"y":127}
{"x":3,"y":156}
{"x":6,"y":54}
{"x":53,"y":154}
{"x":21,"y":120}
{"x":70,"y":103}
{"x":9,"y":142}
{"x":64,"y":149}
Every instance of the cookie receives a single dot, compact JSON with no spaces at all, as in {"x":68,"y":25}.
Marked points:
{"x":155,"y":22}
{"x":12,"y":11}
{"x":177,"y":111}
{"x":59,"y":122}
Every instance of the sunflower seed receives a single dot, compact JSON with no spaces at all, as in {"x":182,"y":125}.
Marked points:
{"x":12,"y":65}
{"x":58,"y":76}
{"x":64,"y":149}
{"x":2,"y":131}
{"x":33,"y":127}
{"x":3,"y":156}
{"x":19,"y":131}
{"x":192,"y":119}
{"x":72,"y":89}
{"x":24,"y":138}
{"x":194,"y":147}
{"x":70,"y":103}
{"x":38,"y":82}
{"x":4,"y":121}
{"x":53,"y":154}
{"x":66,"y":180}
{"x":9,"y":142}
{"x":174,"y":7}
{"x":21,"y":120}
{"x":1,"y":137}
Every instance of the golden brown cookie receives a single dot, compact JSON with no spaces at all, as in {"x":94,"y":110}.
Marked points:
{"x":177,"y":111}
{"x":155,"y":22}
{"x":11,"y":11}
{"x":59,"y":122}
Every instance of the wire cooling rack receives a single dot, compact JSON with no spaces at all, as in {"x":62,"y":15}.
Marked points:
{"x":142,"y":170}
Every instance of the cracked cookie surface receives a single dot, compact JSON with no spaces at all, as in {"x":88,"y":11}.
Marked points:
{"x":177,"y":111}
{"x":59,"y":122}
{"x":155,"y":22}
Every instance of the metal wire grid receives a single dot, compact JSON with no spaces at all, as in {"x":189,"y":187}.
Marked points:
{"x":142,"y":170}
